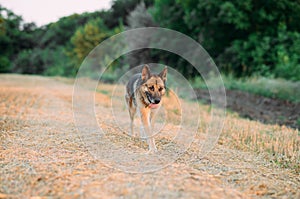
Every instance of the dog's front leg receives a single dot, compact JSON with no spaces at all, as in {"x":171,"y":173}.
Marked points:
{"x":152,"y":119}
{"x":145,"y":116}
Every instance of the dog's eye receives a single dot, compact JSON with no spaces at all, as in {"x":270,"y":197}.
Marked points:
{"x":160,"y":89}
{"x":151,"y":88}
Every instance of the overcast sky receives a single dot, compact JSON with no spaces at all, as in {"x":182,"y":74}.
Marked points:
{"x":43,"y":11}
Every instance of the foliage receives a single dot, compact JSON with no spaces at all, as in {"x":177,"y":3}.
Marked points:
{"x":26,"y":48}
{"x":4,"y":64}
{"x":59,"y":64}
{"x":87,"y":37}
{"x":244,"y":37}
{"x":288,"y":55}
{"x":29,"y":62}
{"x":169,"y":14}
{"x":139,"y":18}
{"x":9,"y":37}
{"x":265,"y":55}
{"x":60,"y":32}
{"x":120,"y":9}
{"x":43,"y":61}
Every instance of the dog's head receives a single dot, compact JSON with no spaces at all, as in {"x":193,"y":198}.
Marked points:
{"x":154,"y":86}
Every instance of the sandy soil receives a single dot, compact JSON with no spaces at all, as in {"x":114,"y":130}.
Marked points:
{"x":42,"y":155}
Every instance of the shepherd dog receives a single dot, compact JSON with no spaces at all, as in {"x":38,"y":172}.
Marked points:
{"x":144,"y":92}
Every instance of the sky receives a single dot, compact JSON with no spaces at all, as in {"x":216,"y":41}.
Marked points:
{"x":43,"y":12}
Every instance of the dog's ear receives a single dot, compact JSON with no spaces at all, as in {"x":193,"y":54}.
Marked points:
{"x":163,"y":74}
{"x":146,"y":72}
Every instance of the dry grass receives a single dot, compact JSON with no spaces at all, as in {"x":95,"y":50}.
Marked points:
{"x":279,"y":144}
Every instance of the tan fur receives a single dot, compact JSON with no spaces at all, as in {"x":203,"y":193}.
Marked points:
{"x":144,"y":93}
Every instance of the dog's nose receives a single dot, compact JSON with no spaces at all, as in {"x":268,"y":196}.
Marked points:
{"x":156,"y":100}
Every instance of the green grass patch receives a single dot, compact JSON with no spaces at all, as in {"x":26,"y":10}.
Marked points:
{"x":105,"y":92}
{"x":268,"y":87}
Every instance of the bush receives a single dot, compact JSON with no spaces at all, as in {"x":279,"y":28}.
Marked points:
{"x":5,"y":65}
{"x":23,"y":63}
{"x":51,"y":62}
{"x":288,"y":55}
{"x":58,"y":63}
{"x":263,"y":55}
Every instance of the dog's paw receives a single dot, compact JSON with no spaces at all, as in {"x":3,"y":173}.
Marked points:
{"x":134,"y":134}
{"x":143,"y":135}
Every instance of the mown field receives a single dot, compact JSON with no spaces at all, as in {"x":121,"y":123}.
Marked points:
{"x":42,"y":153}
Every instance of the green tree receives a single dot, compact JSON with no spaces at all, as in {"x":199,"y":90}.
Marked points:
{"x":9,"y":37}
{"x":86,"y":38}
{"x":138,"y":18}
{"x":60,"y":32}
{"x":169,"y":14}
{"x":119,"y":11}
{"x":242,"y":36}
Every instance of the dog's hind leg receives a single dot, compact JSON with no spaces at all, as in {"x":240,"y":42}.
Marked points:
{"x":132,"y":111}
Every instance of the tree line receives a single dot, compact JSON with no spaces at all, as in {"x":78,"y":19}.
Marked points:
{"x":245,"y":38}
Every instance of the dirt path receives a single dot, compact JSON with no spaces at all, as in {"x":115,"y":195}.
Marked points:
{"x":41,"y":154}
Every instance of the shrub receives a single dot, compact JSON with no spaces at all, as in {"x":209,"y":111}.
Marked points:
{"x":263,"y":55}
{"x":5,"y":65}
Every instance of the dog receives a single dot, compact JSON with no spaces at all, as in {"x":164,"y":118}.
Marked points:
{"x":144,"y":92}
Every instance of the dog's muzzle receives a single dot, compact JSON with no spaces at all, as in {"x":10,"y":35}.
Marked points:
{"x":149,"y":98}
{"x":153,"y":103}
